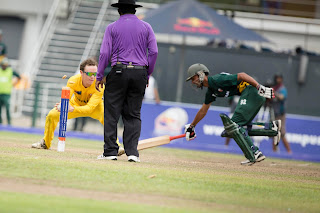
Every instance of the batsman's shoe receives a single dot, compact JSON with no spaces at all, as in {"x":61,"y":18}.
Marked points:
{"x":39,"y":145}
{"x":276,"y":126}
{"x":121,"y":151}
{"x":102,"y":157}
{"x":258,"y":156}
{"x":132,"y":158}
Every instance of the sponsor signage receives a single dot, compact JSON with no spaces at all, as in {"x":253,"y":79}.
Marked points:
{"x":195,"y":25}
{"x":303,"y":132}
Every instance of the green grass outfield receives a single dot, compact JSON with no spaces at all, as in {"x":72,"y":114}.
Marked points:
{"x":166,"y":180}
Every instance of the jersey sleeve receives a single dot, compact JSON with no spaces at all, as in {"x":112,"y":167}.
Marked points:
{"x":105,"y":52}
{"x":210,"y":97}
{"x":16,"y":74}
{"x":95,"y":99}
{"x":152,"y":50}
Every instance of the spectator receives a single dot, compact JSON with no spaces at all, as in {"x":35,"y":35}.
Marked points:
{"x":272,"y":7}
{"x":279,"y":109}
{"x":6,"y":76}
{"x":151,"y":92}
{"x":222,"y":44}
{"x":3,"y":48}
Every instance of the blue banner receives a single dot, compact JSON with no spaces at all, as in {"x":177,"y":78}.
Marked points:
{"x":303,"y":132}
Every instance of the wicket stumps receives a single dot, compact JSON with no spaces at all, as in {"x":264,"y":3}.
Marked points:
{"x":64,"y":107}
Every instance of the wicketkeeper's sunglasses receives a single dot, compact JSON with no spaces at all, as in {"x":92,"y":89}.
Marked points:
{"x":91,"y":74}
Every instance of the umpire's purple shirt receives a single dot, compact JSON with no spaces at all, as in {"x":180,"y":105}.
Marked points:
{"x":128,"y":40}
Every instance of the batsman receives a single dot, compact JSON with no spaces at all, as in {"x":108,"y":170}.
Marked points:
{"x":85,"y":101}
{"x":240,"y":126}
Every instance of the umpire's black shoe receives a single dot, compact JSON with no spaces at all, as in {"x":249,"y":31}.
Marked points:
{"x":102,"y":157}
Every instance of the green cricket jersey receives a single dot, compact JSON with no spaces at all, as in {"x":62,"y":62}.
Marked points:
{"x":222,"y":85}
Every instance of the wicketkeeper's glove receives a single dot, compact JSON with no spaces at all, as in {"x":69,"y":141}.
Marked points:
{"x":266,"y":92}
{"x":190,"y":132}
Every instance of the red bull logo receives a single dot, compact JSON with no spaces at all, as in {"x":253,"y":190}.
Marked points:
{"x":196,"y":25}
{"x":170,"y":122}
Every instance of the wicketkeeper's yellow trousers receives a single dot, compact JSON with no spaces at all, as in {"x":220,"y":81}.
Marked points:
{"x":53,"y":118}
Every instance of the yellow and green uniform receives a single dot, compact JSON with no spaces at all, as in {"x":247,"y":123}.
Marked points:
{"x":87,"y":102}
{"x":225,"y":85}
{"x":6,"y":76}
{"x":6,"y":81}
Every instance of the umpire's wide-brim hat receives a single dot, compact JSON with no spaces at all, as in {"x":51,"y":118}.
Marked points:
{"x":126,"y":3}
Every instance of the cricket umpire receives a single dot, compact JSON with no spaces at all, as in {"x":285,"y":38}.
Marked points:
{"x":130,"y":45}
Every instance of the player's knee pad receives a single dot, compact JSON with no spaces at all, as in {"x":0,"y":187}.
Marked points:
{"x":228,"y":124}
{"x":240,"y":135}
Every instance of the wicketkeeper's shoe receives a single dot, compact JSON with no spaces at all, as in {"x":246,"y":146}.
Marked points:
{"x":132,"y":158}
{"x":258,"y":156}
{"x":40,"y":145}
{"x":121,"y":151}
{"x":276,"y":126}
{"x":102,"y":157}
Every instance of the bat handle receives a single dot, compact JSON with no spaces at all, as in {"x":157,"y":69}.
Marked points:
{"x":177,"y":136}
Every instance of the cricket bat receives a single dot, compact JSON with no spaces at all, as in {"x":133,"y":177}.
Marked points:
{"x":157,"y":141}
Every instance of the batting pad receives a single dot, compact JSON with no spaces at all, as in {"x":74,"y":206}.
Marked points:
{"x":239,"y":134}
{"x":262,"y":132}
{"x":255,"y":132}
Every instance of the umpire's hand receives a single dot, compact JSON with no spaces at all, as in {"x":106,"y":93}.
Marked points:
{"x":99,"y":83}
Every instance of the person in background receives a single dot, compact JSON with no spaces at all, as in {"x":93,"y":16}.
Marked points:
{"x":3,"y":48}
{"x":6,"y":77}
{"x":279,"y":109}
{"x":152,"y":92}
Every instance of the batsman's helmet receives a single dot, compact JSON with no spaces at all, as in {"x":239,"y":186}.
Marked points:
{"x":195,"y":68}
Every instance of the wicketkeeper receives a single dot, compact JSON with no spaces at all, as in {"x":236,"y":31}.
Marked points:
{"x":240,"y":126}
{"x":85,"y":101}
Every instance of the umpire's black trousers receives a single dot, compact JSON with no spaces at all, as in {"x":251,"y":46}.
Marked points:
{"x":123,"y":95}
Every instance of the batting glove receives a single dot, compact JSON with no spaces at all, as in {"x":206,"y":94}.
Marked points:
{"x":266,"y":92}
{"x":190,"y":132}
